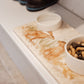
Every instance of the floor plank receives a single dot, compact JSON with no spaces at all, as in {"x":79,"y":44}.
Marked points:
{"x":9,"y":73}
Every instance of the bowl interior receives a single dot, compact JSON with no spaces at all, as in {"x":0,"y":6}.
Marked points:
{"x":77,"y":39}
{"x":49,"y":19}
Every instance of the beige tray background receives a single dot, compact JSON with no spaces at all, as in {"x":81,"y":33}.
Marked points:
{"x":64,"y":34}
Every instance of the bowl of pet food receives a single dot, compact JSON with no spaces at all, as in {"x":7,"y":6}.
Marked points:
{"x":75,"y":54}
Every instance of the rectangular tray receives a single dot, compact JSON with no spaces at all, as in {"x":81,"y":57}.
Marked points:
{"x":55,"y":66}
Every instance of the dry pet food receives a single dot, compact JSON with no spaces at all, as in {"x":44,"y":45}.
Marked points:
{"x":76,"y":49}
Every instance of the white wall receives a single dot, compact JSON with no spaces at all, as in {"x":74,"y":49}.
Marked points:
{"x":76,"y":6}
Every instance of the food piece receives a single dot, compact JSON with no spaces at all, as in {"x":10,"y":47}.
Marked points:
{"x":80,"y":48}
{"x":76,"y":49}
{"x":78,"y":52}
{"x":75,"y":45}
{"x":76,"y":56}
{"x":83,"y":54}
{"x":79,"y":43}
{"x":80,"y":57}
{"x":82,"y":44}
{"x":72,"y":50}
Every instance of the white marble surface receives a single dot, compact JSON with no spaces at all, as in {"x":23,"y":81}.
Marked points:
{"x":76,"y":6}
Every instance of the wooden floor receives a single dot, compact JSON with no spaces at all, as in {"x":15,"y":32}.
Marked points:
{"x":9,"y":74}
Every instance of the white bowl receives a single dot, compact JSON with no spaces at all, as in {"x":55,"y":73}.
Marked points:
{"x":49,"y":22}
{"x":73,"y":63}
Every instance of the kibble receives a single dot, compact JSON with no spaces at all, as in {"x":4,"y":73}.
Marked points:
{"x":76,"y":49}
{"x":82,"y":44}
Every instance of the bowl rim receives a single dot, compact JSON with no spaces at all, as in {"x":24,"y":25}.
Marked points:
{"x":55,"y":14}
{"x":69,"y":53}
